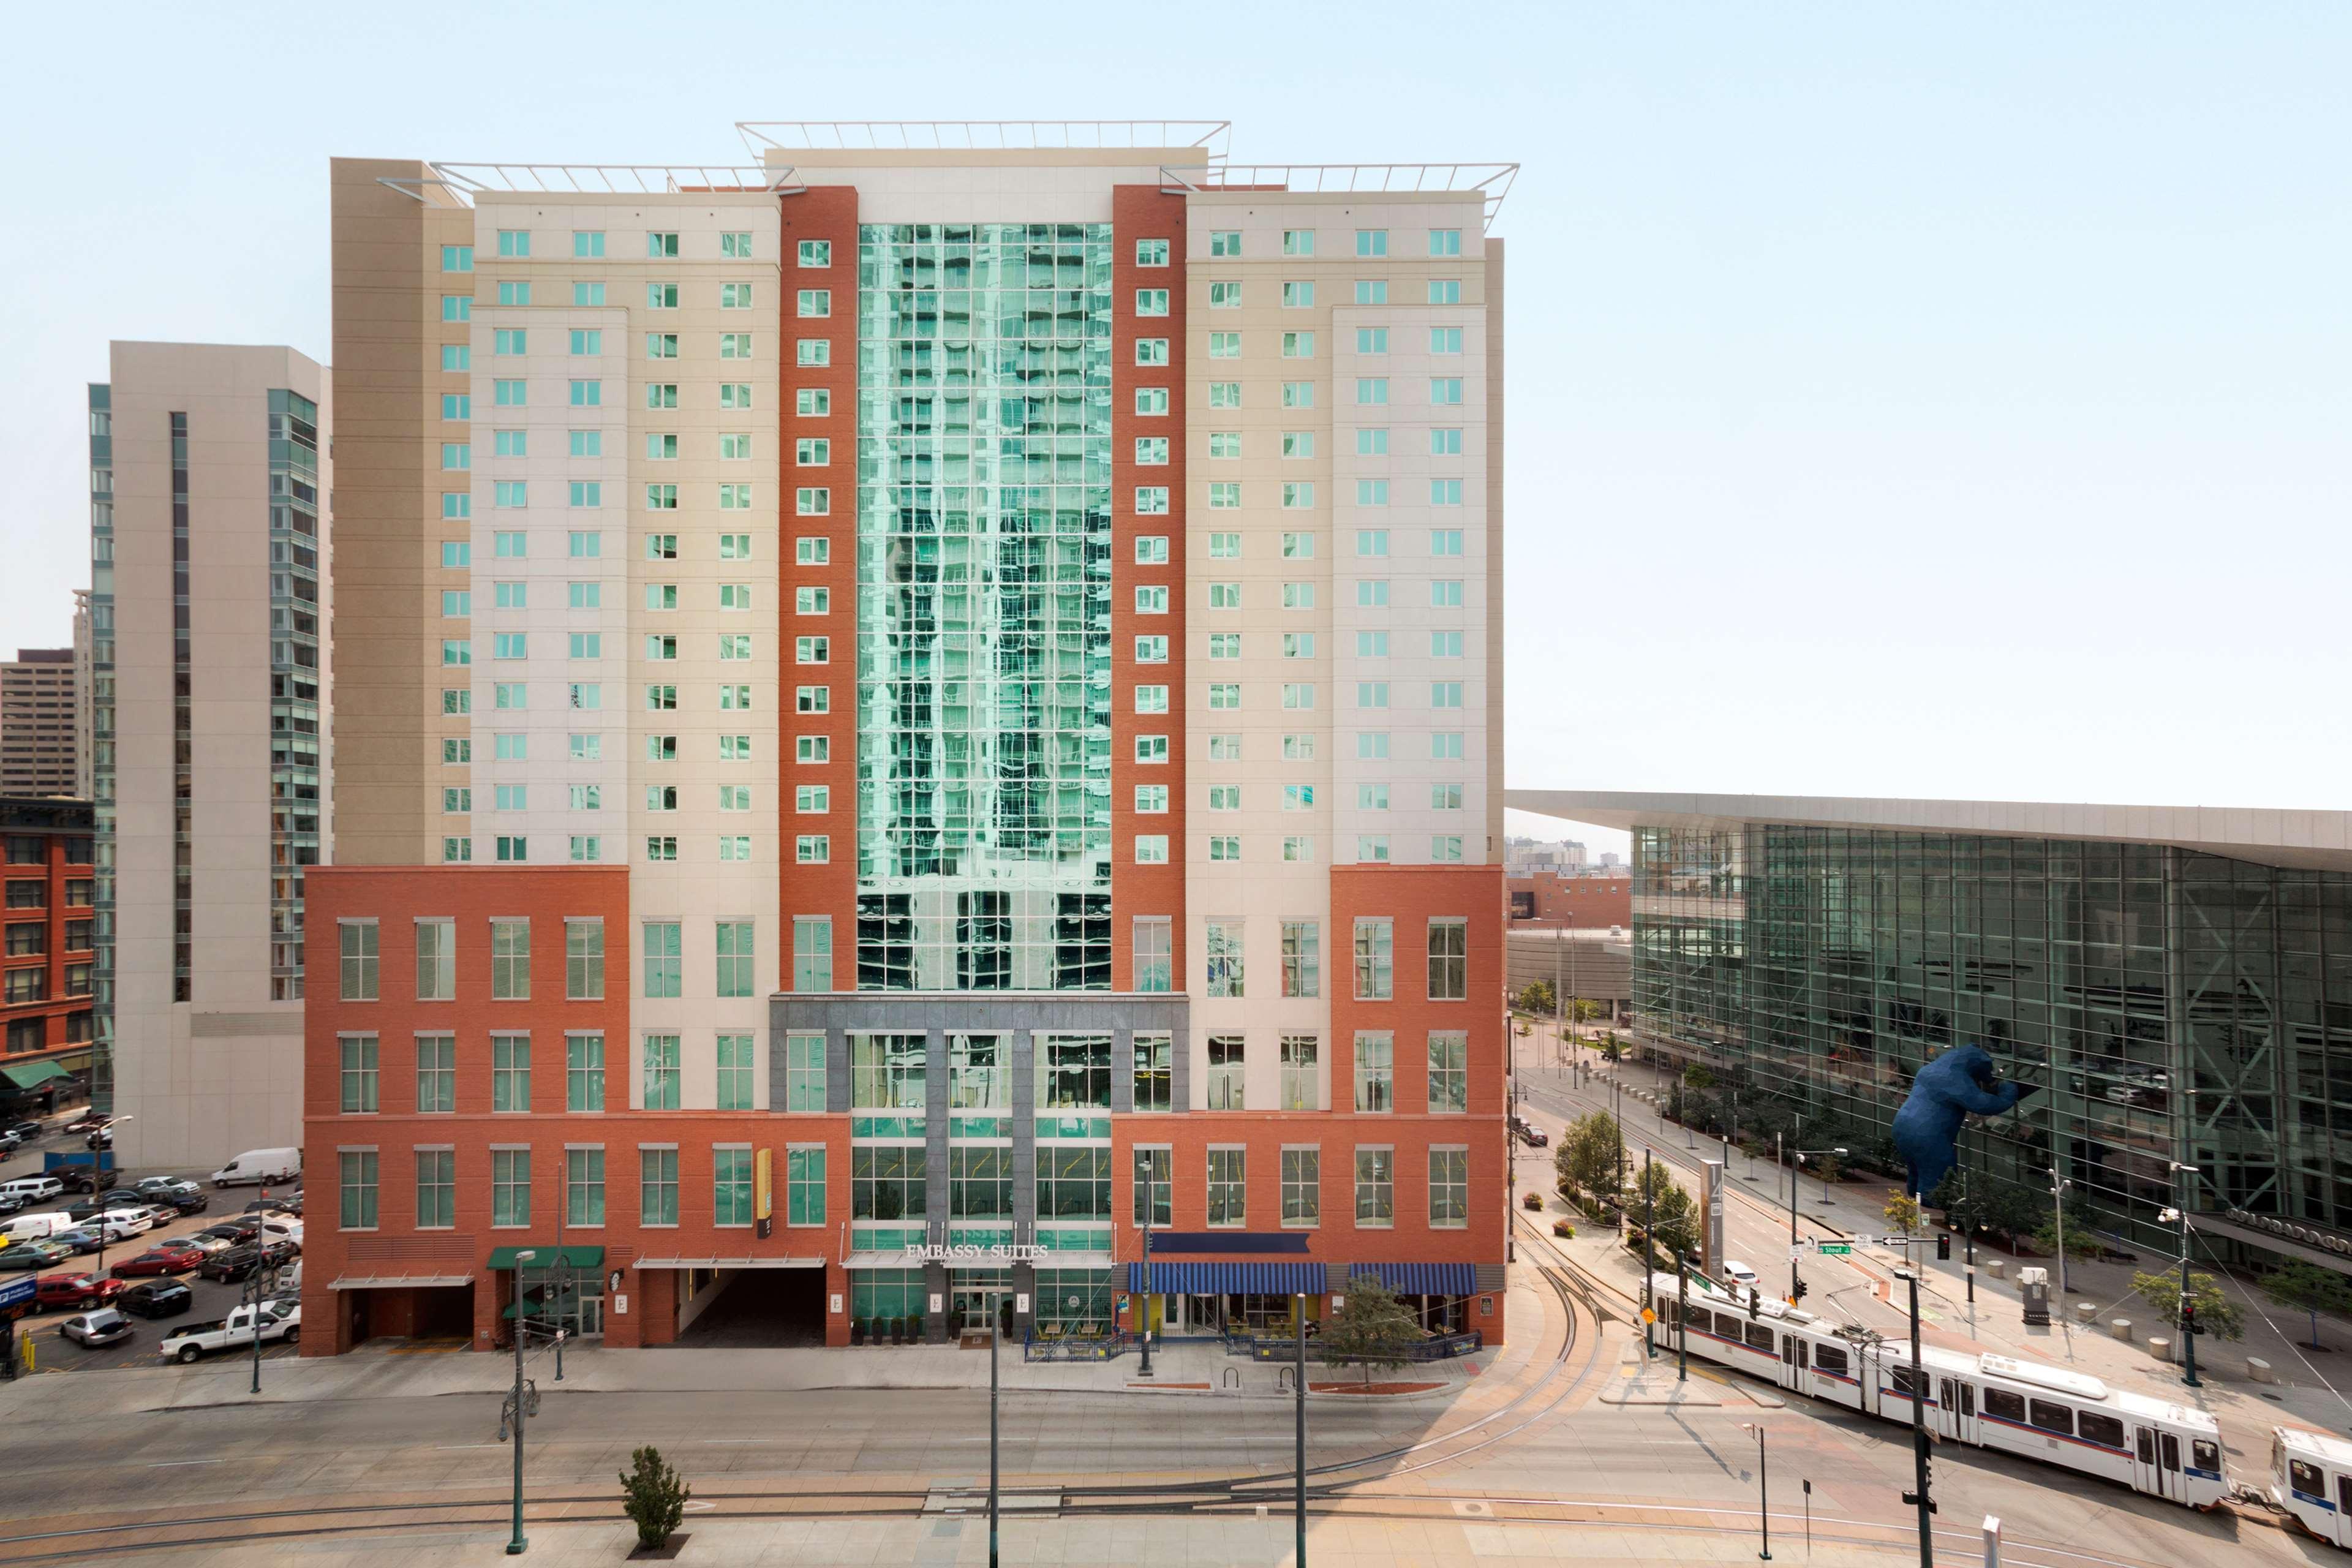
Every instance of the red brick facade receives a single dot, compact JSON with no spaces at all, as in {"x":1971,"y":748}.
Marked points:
{"x":49,"y":957}
{"x":1586,"y":903}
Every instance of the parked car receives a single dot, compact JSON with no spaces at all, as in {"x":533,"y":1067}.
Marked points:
{"x":128,"y":1222}
{"x":26,"y":1131}
{"x":171,"y":1258}
{"x":34,"y":1189}
{"x":286,"y":1230}
{"x":9,"y":1144}
{"x":83,"y":1241}
{"x":185,"y":1200}
{"x":1534,"y":1137}
{"x":264,"y":1167}
{"x":96,"y":1330}
{"x":86,"y":1120}
{"x":1739,"y":1274}
{"x":82,"y":1291}
{"x":102,"y":1137}
{"x":207,"y":1245}
{"x":240,"y":1263}
{"x":157,"y":1298}
{"x":191,"y":1340}
{"x":31,"y":1254}
{"x":10,"y":1203}
{"x":234,"y":1231}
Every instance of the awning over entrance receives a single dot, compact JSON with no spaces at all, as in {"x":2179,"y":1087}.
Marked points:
{"x":28,"y":1076}
{"x":581,"y":1257}
{"x":399,"y":1281}
{"x":1228,"y":1278}
{"x":1422,"y":1278}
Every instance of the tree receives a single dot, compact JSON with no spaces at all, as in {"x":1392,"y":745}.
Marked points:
{"x":1673,"y":1224}
{"x":2216,"y":1313}
{"x":1587,"y":1158}
{"x":653,"y":1497}
{"x":2308,"y":1288}
{"x":2080,"y":1242}
{"x":1904,"y":1213}
{"x":1698,"y":1074}
{"x":1372,"y":1328}
{"x":1537,"y":998}
{"x":1611,"y":1049}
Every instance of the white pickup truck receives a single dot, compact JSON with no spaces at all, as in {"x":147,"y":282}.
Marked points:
{"x":233,"y":1331}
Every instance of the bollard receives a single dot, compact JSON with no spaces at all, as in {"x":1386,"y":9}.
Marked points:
{"x":2159,"y":1347}
{"x":1997,"y":1267}
{"x":2086,"y":1312}
{"x":2121,"y":1329}
{"x":2260,"y":1370}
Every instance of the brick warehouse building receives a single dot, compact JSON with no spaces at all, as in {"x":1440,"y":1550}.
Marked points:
{"x":989,"y":715}
{"x":50,"y":957}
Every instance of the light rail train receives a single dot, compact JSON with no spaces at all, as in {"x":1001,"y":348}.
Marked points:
{"x":2311,"y":1482}
{"x":2000,"y":1404}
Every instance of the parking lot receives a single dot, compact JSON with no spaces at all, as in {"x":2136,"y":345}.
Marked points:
{"x":212,"y":1299}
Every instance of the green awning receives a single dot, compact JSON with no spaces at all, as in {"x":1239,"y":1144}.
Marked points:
{"x":33,"y":1075}
{"x":580,"y":1258}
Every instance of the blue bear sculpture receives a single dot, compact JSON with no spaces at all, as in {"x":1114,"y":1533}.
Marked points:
{"x":1943,"y":1092}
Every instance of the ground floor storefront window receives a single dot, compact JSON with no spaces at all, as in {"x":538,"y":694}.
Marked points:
{"x":1072,"y":1300}
{"x":887,"y":1293}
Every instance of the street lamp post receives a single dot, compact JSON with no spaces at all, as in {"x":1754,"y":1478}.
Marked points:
{"x":1682,"y":1317}
{"x":2058,"y":1185}
{"x":1143,"y":1297}
{"x":995,"y":1325}
{"x":263,"y":1284}
{"x":1298,"y":1392}
{"x":1763,"y":1489}
{"x":1649,"y":1242}
{"x":519,"y":1543}
{"x":95,"y":1197}
{"x":1793,"y":1291}
{"x":1920,"y":1495}
{"x":2188,"y":1313}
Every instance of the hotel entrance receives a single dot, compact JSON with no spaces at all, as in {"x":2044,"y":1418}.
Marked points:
{"x":972,"y":1293}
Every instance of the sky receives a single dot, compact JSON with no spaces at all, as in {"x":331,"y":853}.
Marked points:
{"x":1902,"y":400}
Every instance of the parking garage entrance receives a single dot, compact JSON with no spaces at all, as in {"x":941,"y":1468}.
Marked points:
{"x":751,"y":1308}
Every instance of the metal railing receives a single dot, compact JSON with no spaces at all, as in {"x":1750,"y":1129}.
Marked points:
{"x":1077,"y":1347}
{"x":1439,"y":1347}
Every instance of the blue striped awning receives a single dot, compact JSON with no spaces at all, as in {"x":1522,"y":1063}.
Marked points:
{"x":1422,"y":1278}
{"x":1228,"y":1278}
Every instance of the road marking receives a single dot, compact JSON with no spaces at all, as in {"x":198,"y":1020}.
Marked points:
{"x":171,"y":1463}
{"x":446,"y":1447}
{"x":722,"y":1442}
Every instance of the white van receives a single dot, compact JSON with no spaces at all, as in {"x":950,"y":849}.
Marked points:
{"x":259,"y":1165}
{"x":33,"y":1227}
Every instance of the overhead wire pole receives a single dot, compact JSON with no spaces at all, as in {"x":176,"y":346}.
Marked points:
{"x":1919,"y":1433}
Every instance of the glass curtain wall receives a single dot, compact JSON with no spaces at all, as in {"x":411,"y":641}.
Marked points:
{"x":2170,"y":1005}
{"x":983,"y":563}
{"x":294,"y":767}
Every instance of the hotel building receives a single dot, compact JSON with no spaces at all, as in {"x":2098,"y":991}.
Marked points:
{"x":906,"y":707}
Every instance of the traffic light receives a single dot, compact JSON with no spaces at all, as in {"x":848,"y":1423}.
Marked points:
{"x":1802,"y":1288}
{"x":2188,"y":1317}
{"x":1753,"y":1296}
{"x":1943,"y":1247}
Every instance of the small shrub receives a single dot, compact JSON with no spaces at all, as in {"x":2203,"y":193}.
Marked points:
{"x":1533,"y":1200}
{"x":1563,"y":1228}
{"x":653,"y":1497}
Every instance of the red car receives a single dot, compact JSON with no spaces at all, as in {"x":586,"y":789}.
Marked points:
{"x":168,"y":1258}
{"x":79,"y":1291}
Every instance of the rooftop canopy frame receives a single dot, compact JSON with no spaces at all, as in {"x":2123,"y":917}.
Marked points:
{"x":1491,"y":180}
{"x":455,"y":184}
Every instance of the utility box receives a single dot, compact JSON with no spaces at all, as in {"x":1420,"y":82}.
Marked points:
{"x":2034,"y":1284}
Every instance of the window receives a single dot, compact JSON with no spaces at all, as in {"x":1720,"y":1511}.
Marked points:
{"x":584,"y":952}
{"x":1298,"y":345}
{"x":1151,"y":451}
{"x":1302,"y":958}
{"x":1225,"y":846}
{"x":1152,"y":699}
{"x":1444,"y":242}
{"x":436,"y":1189}
{"x":359,"y":939}
{"x":1297,"y":242}
{"x":457,"y":259}
{"x":736,"y":956}
{"x":457,"y":455}
{"x":1153,"y":947}
{"x":1226,"y":1199}
{"x":735,"y":1071}
{"x":1375,"y":1071}
{"x":661,"y":1072}
{"x":588,"y":395}
{"x":1151,"y":849}
{"x":359,"y":1073}
{"x":805,"y":1184}
{"x":1449,"y":1189}
{"x":1298,"y":495}
{"x":660,"y":246}
{"x":510,"y":1072}
{"x":1224,"y":296}
{"x":1224,"y":394}
{"x":2048,"y":1415}
{"x":1445,"y":390}
{"x":1225,"y":695}
{"x":437,"y":959}
{"x":808,"y":500}
{"x":588,"y":243}
{"x":1151,"y":748}
{"x":812,"y":952}
{"x":1152,"y":799}
{"x":1150,"y":350}
{"x":583,"y":1072}
{"x":1372,"y":340}
{"x":584,"y":1186}
{"x":1375,"y":1187}
{"x":1150,"y":400}
{"x":1152,"y":253}
{"x":1227,"y":1061}
{"x":1224,"y":797}
{"x":1445,"y":541}
{"x":1152,"y":301}
{"x":1224,"y":345}
{"x":1224,"y":242}
{"x":657,"y":1186}
{"x":662,"y":961}
{"x":815,"y":253}
{"x":510,"y":1186}
{"x":1372,"y":290}
{"x":1445,"y":593}
{"x":1375,"y":958}
{"x":1224,"y":645}
{"x":736,"y":394}
{"x":1154,"y":1185}
{"x":1371,"y":242}
{"x":804,"y":1073}
{"x":1445,"y":290}
{"x":738,"y":345}
{"x":358,"y":1188}
{"x":585,"y":292}
{"x":1445,"y":340}
{"x":457,"y":357}
{"x":1449,"y":961}
{"x":514,"y":242}
{"x":1370,"y":493}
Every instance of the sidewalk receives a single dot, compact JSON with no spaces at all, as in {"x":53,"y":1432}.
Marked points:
{"x":382,"y":1371}
{"x":1858,"y":1208}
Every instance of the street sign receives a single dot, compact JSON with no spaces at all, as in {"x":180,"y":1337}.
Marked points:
{"x":1837,"y":1248}
{"x":1649,"y":1316}
{"x":19,"y":1293}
